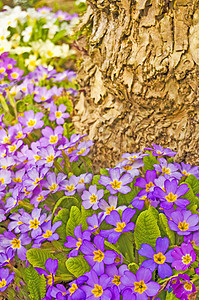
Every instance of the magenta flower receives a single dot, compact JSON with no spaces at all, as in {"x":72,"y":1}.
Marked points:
{"x":183,"y":222}
{"x":181,"y":289}
{"x":183,"y":256}
{"x":77,"y":241}
{"x":159,"y":150}
{"x":158,"y":259}
{"x":59,"y":114}
{"x":31,"y":121}
{"x":96,"y":255}
{"x":91,"y":197}
{"x":115,"y":183}
{"x":139,"y":286}
{"x":120,"y":226}
{"x":5,"y":279}
{"x":171,"y":194}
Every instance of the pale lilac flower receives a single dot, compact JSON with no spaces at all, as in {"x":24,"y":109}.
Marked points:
{"x":31,"y":121}
{"x":59,"y":114}
{"x":91,"y":197}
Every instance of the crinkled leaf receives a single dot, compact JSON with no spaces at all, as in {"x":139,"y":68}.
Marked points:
{"x":164,"y":227}
{"x":74,"y":220}
{"x":149,"y":161}
{"x":38,"y":257}
{"x":77,"y":266}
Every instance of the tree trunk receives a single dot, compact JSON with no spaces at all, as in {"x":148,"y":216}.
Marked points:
{"x":139,"y":78}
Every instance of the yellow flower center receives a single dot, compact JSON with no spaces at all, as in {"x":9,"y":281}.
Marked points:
{"x":81,"y":180}
{"x":99,"y":255}
{"x":14,"y":75}
{"x":6,"y":140}
{"x":50,"y":53}
{"x":12,"y":148}
{"x":43,"y":98}
{"x":32,"y":63}
{"x":171,"y":197}
{"x":159,"y":152}
{"x":16,"y":243}
{"x":148,"y":185}
{"x":117,"y":259}
{"x":18,"y":179}
{"x":19,"y":135}
{"x":127,"y":168}
{"x":47,"y":234}
{"x":53,"y":139}
{"x":116,"y":280}
{"x":37,"y":180}
{"x":40,"y":198}
{"x":50,"y":279}
{"x":81,"y":151}
{"x":73,"y":288}
{"x":159,"y":258}
{"x":97,"y":291}
{"x":2,"y":283}
{"x":58,"y":114}
{"x":116,"y":184}
{"x":53,"y":187}
{"x":70,"y":150}
{"x":37,"y":157}
{"x":78,"y":244}
{"x":19,"y":223}
{"x":70,"y":188}
{"x":2,"y":180}
{"x":50,"y":159}
{"x":120,"y":227}
{"x":109,"y":210}
{"x":186,"y":259}
{"x":166,"y":171}
{"x":26,"y":192}
{"x":183,"y":226}
{"x":185,"y":173}
{"x":188,"y":286}
{"x":2,"y":70}
{"x":93,"y":198}
{"x":140,"y":287}
{"x":31,"y":123}
{"x":34,"y":224}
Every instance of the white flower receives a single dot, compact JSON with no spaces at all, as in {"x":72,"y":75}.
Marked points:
{"x":5,"y":46}
{"x":20,"y":50}
{"x":27,"y":33}
{"x":32,"y":62}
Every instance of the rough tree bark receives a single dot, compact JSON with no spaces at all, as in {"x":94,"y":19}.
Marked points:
{"x":139,"y":78}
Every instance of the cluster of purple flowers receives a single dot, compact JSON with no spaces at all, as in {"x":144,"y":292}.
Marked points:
{"x":41,"y":181}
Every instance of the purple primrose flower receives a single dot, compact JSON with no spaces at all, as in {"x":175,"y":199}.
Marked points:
{"x":183,"y":257}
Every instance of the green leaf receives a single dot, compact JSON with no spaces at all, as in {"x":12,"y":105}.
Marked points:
{"x":78,"y":266}
{"x":38,"y":257}
{"x":126,"y":199}
{"x":21,"y":107}
{"x":63,"y":215}
{"x":170,"y":296}
{"x":194,"y":183}
{"x":163,"y":222}
{"x":125,"y":244}
{"x":149,"y":161}
{"x":146,"y":230}
{"x":133,"y":267}
{"x":104,"y":172}
{"x":66,"y":202}
{"x":190,"y":196}
{"x":60,"y":34}
{"x":36,"y":283}
{"x":85,"y":213}
{"x":74,"y":220}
